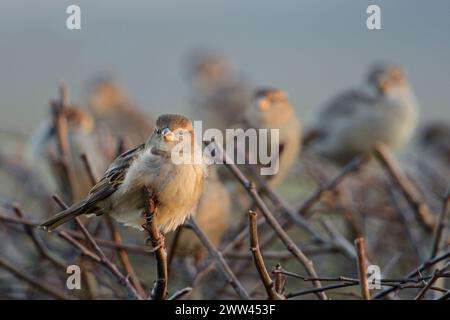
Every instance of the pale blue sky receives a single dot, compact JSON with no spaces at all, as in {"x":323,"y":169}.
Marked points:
{"x":310,"y":48}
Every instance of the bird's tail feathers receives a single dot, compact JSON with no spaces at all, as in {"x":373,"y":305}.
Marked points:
{"x":64,"y":216}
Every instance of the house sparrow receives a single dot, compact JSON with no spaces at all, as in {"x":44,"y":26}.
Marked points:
{"x":355,"y":120}
{"x":176,"y":187}
{"x":221,"y":95}
{"x":271,"y":109}
{"x":112,"y":109}
{"x":212,"y":216}
{"x":83,"y":138}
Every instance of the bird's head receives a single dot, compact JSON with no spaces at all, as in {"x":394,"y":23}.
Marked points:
{"x":270,"y":107}
{"x":170,"y":130}
{"x":386,"y":78}
{"x":208,"y":71}
{"x":105,"y":95}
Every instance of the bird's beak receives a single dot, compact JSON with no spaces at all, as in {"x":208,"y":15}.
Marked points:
{"x":168,"y":135}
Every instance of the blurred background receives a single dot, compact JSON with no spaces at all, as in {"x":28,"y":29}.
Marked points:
{"x":312,"y":49}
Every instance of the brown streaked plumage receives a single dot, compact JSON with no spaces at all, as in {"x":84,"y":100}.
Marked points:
{"x":176,"y":187}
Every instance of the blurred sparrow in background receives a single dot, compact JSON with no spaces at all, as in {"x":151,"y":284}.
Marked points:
{"x":271,"y":109}
{"x":83,"y":138}
{"x":355,"y":120}
{"x":221,"y":95}
{"x":111,"y":108}
{"x":176,"y":187}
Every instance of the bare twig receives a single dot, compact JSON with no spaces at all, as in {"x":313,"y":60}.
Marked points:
{"x":414,"y":199}
{"x":159,"y":291}
{"x":359,"y":244}
{"x":222,"y":264}
{"x":103,"y":259}
{"x":287,"y":241}
{"x":181,"y":294}
{"x":279,"y":279}
{"x":258,"y":259}
{"x":417,"y":271}
{"x":437,"y":274}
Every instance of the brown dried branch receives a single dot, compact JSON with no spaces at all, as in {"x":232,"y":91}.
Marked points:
{"x":258,"y":259}
{"x":417,"y":271}
{"x":287,"y":241}
{"x":223,"y":266}
{"x":181,"y":294}
{"x":419,"y":206}
{"x":437,"y":274}
{"x":67,"y":175}
{"x":279,"y":279}
{"x":103,"y":259}
{"x":159,"y":291}
{"x":360,"y":249}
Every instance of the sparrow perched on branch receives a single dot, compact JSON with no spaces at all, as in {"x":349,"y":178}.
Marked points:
{"x":176,"y":185}
{"x":112,"y":108}
{"x":271,"y":109}
{"x":355,"y":120}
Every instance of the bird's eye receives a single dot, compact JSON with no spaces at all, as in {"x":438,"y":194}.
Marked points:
{"x":158,"y":131}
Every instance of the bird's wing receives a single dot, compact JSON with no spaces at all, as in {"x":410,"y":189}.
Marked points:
{"x":114,"y":176}
{"x":341,"y":108}
{"x":347,"y":103}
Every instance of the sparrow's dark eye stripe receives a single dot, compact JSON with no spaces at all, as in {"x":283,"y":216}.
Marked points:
{"x":158,"y":131}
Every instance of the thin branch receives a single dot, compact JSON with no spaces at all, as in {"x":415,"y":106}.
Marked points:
{"x":181,"y":294}
{"x":417,"y":271}
{"x":103,"y":259}
{"x":159,"y":291}
{"x":258,"y":259}
{"x":420,"y":208}
{"x":287,"y":241}
{"x":223,"y":266}
{"x":359,"y":244}
{"x":437,"y":274}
